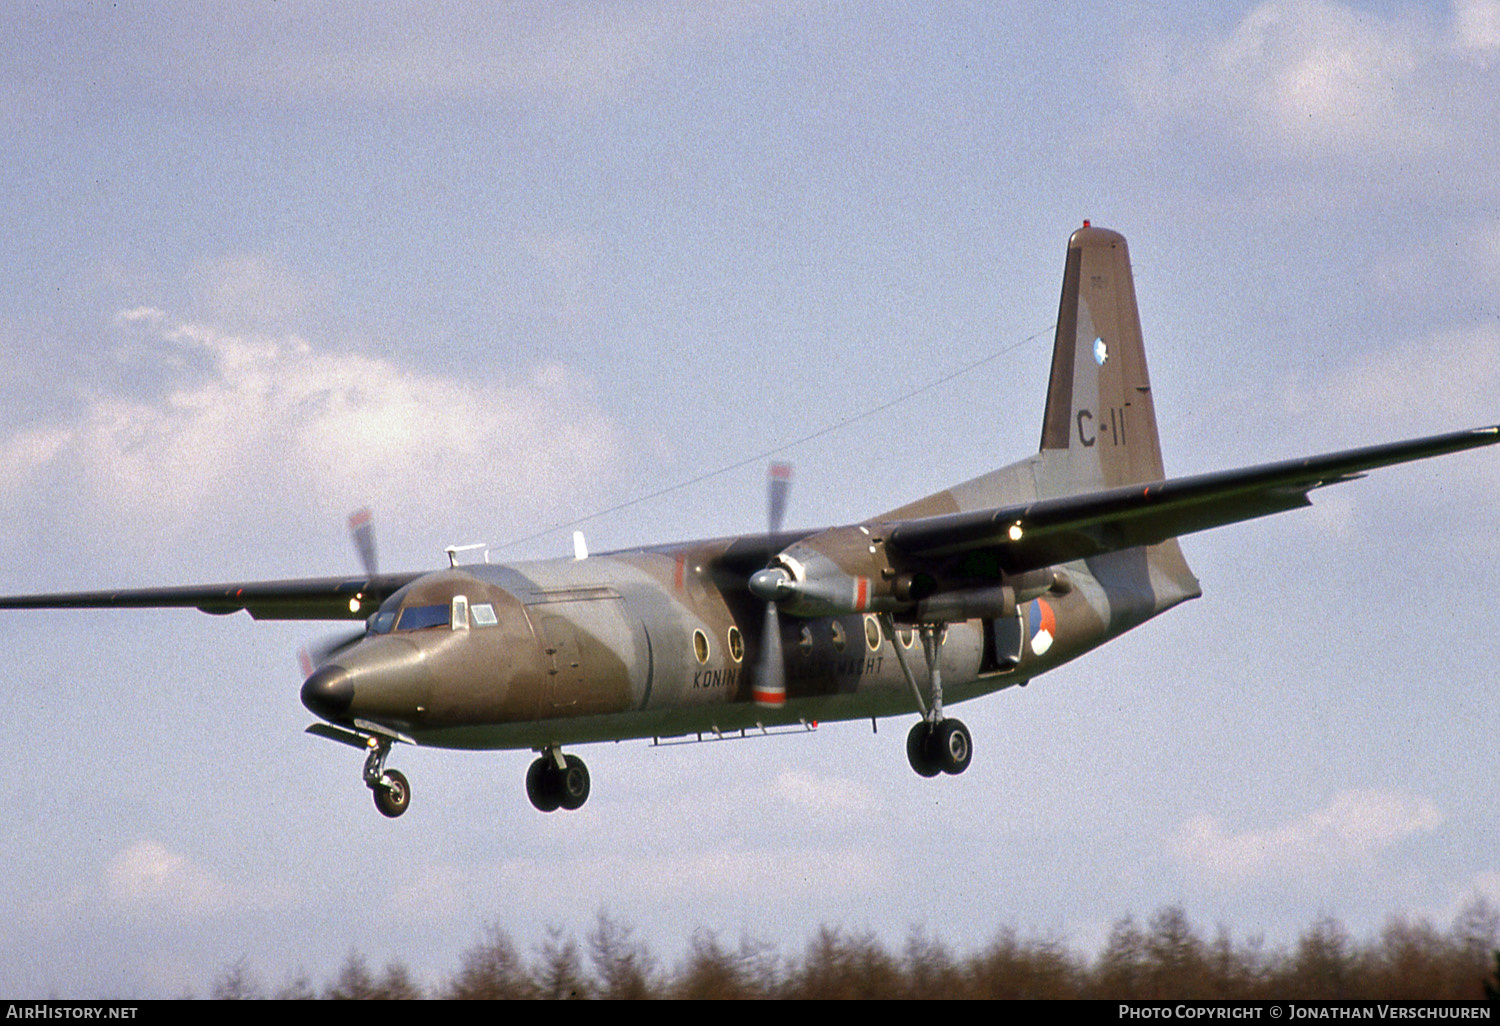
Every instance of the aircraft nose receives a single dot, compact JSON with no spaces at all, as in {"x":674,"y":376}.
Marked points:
{"x":329,"y":691}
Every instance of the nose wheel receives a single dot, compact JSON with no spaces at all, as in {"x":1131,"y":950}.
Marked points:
{"x":557,"y":781}
{"x":392,"y":794}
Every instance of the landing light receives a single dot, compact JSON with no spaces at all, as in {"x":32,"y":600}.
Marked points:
{"x":354,"y":605}
{"x":1015,"y":532}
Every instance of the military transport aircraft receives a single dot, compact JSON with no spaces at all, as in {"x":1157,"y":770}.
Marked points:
{"x":966,"y":592}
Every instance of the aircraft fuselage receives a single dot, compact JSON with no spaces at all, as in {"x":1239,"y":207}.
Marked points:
{"x":647,"y":644}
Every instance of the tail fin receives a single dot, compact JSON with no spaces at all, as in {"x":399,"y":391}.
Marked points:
{"x":1099,"y":398}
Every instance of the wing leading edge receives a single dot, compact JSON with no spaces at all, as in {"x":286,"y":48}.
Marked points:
{"x":313,"y":598}
{"x":1051,"y":531}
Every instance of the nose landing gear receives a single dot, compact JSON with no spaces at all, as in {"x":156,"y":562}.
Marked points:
{"x":390,"y":789}
{"x":557,"y":781}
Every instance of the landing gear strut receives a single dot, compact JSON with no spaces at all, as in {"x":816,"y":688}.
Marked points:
{"x":557,"y":781}
{"x":391,"y":791}
{"x":936,"y":744}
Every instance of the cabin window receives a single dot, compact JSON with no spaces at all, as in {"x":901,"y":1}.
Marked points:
{"x":483,"y":614}
{"x":700,"y":646}
{"x":872,"y":633}
{"x":804,"y":640}
{"x":460,"y":618}
{"x":736,"y":644}
{"x":840,"y":639}
{"x":416,"y":618}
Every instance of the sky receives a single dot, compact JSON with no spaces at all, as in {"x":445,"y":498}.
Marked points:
{"x":491,"y":268}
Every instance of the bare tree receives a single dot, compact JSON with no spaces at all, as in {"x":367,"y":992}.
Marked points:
{"x":714,"y":972}
{"x":237,"y":983}
{"x":491,"y":971}
{"x":626,"y":970}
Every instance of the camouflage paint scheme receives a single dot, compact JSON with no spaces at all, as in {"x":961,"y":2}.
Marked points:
{"x":1014,"y":573}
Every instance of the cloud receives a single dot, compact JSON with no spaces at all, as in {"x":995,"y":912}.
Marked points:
{"x":1442,"y":382}
{"x":321,"y":52}
{"x":148,"y":877}
{"x":1353,"y":826}
{"x":150,"y":880}
{"x":250,"y":290}
{"x":730,"y":873}
{"x":1477,"y":29}
{"x":273,"y":425}
{"x":1320,"y":83}
{"x":826,"y":795}
{"x":141,"y":315}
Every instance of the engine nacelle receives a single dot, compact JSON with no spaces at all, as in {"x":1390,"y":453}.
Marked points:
{"x":846,"y":570}
{"x":967,"y":604}
{"x":991,"y":602}
{"x":843,"y":570}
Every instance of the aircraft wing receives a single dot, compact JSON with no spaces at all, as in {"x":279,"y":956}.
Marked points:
{"x":313,"y":598}
{"x":1051,"y":531}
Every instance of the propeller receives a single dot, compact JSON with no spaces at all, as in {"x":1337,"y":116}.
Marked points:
{"x":362,"y":532}
{"x":769,"y":684}
{"x":315,"y":654}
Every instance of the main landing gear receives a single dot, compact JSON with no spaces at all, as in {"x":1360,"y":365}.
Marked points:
{"x":936,"y":744}
{"x":557,"y":781}
{"x":944,"y":747}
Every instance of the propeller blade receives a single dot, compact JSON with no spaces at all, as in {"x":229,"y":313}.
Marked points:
{"x":321,"y":651}
{"x":316,"y":654}
{"x":778,"y":486}
{"x":769,"y":687}
{"x":362,"y":530}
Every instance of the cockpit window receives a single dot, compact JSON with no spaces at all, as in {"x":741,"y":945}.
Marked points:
{"x":415,"y":618}
{"x":383,"y":621}
{"x":483,"y":614}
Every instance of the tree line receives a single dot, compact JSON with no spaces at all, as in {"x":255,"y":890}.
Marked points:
{"x":1166,"y":957}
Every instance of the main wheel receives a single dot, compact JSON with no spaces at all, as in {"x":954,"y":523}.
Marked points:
{"x":952,"y":746}
{"x":542,"y":786}
{"x":392,"y":794}
{"x":919,"y":750}
{"x":572,"y":783}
